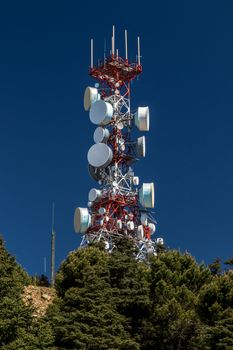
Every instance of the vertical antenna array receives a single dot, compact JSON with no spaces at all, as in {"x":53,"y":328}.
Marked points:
{"x":118,"y":207}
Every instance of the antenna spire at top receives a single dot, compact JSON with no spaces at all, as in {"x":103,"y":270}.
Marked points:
{"x":113,"y":40}
{"x":139,"y":54}
{"x":92,"y":54}
{"x":126,"y":45}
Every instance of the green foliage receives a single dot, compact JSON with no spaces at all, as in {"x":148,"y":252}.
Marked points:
{"x":37,"y":336}
{"x":85,"y":316}
{"x":215,"y":267}
{"x":14,"y":315}
{"x":12,"y":277}
{"x":111,"y":301}
{"x":40,"y":281}
{"x":215,"y":307}
{"x":18,"y":330}
{"x":173,"y":323}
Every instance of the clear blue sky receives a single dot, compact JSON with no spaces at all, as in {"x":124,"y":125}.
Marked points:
{"x":187,"y":56}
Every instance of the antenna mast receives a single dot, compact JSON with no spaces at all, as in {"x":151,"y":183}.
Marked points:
{"x":118,"y":207}
{"x":53,"y":250}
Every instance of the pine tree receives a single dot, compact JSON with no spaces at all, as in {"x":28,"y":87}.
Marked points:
{"x":14,"y":315}
{"x":215,"y":309}
{"x":215,"y":267}
{"x":18,"y":330}
{"x":173,"y":323}
{"x":84,"y":316}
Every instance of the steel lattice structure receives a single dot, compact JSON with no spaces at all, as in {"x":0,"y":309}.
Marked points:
{"x":118,"y":208}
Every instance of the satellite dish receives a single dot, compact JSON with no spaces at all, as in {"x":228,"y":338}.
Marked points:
{"x":94,"y":194}
{"x":101,"y":112}
{"x":99,"y":155}
{"x":141,"y":146}
{"x":91,"y":95}
{"x":146,"y":195}
{"x":101,"y":135}
{"x":142,"y":119}
{"x":82,"y":220}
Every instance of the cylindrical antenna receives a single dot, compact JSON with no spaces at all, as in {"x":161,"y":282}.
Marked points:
{"x":117,"y":54}
{"x":53,"y":250}
{"x":113,"y":41}
{"x":92,"y":54}
{"x":126,"y":46}
{"x":139,"y":57}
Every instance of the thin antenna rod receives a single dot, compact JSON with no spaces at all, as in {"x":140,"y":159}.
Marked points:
{"x":45,"y":265}
{"x":53,"y":250}
{"x":126,"y":46}
{"x":139,"y":57}
{"x":92,"y":54}
{"x":104,"y":51}
{"x":53,"y":213}
{"x":117,"y":54}
{"x":113,"y":41}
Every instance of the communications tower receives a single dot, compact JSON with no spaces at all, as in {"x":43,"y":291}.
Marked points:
{"x":118,"y":206}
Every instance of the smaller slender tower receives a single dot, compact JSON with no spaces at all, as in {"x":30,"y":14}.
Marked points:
{"x":53,"y":237}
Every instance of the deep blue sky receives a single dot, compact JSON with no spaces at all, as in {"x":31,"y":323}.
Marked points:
{"x":187,"y":56}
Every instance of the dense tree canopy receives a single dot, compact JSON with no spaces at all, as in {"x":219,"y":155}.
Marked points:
{"x":18,"y":330}
{"x":14,"y":316}
{"x":111,"y":301}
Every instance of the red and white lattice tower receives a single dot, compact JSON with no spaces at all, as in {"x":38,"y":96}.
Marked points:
{"x":118,"y":207}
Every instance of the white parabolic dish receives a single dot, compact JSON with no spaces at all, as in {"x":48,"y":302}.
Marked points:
{"x":142,"y":119}
{"x":101,"y":112}
{"x":82,"y":220}
{"x":90,"y":96}
{"x":101,"y":135}
{"x":94,"y":194}
{"x":147,"y":195}
{"x":99,"y":155}
{"x":141,"y":146}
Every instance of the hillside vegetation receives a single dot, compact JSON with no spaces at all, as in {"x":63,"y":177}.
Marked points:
{"x":110,"y":301}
